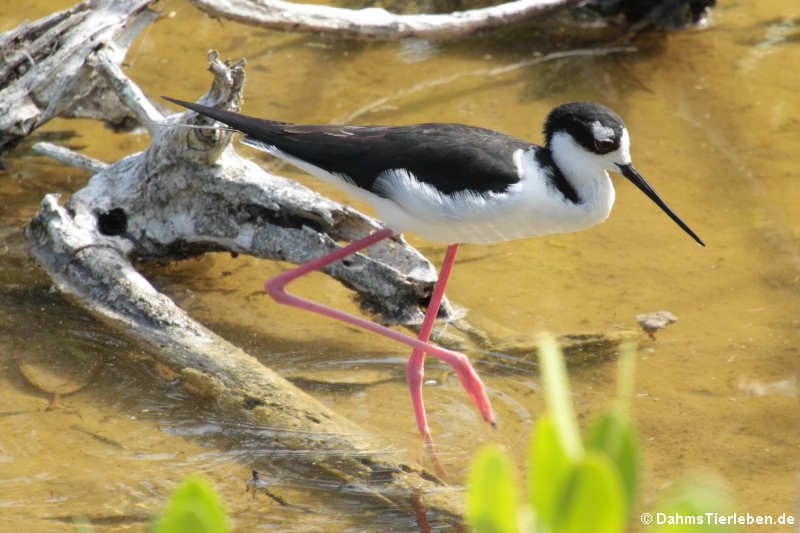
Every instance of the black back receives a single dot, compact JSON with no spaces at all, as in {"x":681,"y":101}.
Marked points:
{"x":453,"y":157}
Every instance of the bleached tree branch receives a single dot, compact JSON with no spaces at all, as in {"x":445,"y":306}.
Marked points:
{"x":377,"y":23}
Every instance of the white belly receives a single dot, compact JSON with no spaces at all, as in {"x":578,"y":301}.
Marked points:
{"x":529,"y":208}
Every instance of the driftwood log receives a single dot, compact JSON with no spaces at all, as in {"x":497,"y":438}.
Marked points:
{"x":188,"y":193}
{"x":377,"y":23}
{"x":43,"y":70}
{"x":593,"y":20}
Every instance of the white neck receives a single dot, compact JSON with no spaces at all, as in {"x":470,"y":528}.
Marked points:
{"x":587,"y":173}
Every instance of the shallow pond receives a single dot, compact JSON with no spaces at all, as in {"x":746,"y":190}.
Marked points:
{"x":715,"y":124}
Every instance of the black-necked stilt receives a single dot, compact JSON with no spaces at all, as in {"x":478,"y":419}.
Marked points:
{"x":454,"y":184}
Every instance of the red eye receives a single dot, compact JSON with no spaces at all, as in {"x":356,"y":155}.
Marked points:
{"x":604,"y":146}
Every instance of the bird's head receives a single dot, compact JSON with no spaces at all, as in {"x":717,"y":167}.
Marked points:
{"x":589,"y":137}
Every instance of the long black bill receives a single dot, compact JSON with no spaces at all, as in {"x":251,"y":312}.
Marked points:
{"x":631,"y":173}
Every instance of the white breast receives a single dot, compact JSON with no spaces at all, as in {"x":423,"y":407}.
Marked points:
{"x":529,"y":208}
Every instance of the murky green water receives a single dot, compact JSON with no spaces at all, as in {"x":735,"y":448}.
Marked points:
{"x":715,"y":124}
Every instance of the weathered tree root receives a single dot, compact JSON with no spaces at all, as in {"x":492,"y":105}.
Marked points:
{"x":43,"y":70}
{"x":189,"y":193}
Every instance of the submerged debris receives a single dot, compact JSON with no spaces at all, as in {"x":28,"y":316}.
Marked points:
{"x":60,"y":371}
{"x":781,"y":387}
{"x":652,"y":322}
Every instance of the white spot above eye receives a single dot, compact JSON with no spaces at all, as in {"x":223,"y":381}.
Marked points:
{"x":602,"y":133}
{"x":518,"y":162}
{"x":625,"y":147}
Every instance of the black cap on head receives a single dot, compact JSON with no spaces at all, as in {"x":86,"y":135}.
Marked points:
{"x":581,"y":120}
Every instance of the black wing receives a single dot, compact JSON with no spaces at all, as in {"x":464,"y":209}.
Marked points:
{"x":452,"y":157}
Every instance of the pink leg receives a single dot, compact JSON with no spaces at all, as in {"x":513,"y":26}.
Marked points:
{"x":466,"y":374}
{"x":415,"y":370}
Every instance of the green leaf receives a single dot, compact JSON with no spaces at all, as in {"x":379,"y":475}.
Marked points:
{"x":492,"y":496}
{"x":593,"y":498}
{"x":548,"y":466}
{"x":613,"y":434}
{"x":559,"y":402}
{"x":193,"y":508}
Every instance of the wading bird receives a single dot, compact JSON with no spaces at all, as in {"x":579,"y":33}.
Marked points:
{"x":453,"y":184}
